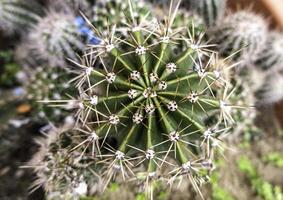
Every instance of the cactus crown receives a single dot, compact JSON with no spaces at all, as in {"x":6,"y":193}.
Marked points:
{"x":143,"y":105}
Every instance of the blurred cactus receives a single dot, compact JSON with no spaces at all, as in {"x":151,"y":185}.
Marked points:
{"x":270,"y":59}
{"x":45,"y":83}
{"x":211,"y":10}
{"x":17,"y":15}
{"x":142,"y":106}
{"x":241,"y":31}
{"x":9,"y":70}
{"x":61,"y":173}
{"x":271,"y":91}
{"x":75,"y":6}
{"x":55,"y":38}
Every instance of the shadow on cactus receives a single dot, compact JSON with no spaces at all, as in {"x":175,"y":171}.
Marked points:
{"x":143,"y":108}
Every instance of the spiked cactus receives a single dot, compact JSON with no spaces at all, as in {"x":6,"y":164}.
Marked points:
{"x":16,"y":15}
{"x":211,"y":10}
{"x":270,"y":59}
{"x":243,"y":31}
{"x":143,"y":107}
{"x":55,"y":37}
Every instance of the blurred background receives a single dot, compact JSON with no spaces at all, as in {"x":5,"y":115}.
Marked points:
{"x":257,"y":175}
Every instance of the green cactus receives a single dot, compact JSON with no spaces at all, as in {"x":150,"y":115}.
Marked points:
{"x":143,"y":106}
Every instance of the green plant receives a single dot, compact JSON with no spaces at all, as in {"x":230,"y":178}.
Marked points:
{"x":263,"y":188}
{"x":275,"y":159}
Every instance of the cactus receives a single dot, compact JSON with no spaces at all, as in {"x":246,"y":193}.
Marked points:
{"x":17,"y":15}
{"x":271,"y":91}
{"x":76,"y":6}
{"x":60,"y":173}
{"x":46,"y":83}
{"x":143,"y":107}
{"x":55,"y":37}
{"x":107,"y":13}
{"x":211,"y":10}
{"x":241,"y":31}
{"x":270,"y":59}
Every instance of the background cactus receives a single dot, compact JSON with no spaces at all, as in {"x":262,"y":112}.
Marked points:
{"x":17,"y":15}
{"x":55,"y":37}
{"x":60,"y":173}
{"x":270,"y":59}
{"x":143,"y":107}
{"x":75,"y":5}
{"x":271,"y":91}
{"x":211,"y":10}
{"x":243,"y":31}
{"x":45,"y":83}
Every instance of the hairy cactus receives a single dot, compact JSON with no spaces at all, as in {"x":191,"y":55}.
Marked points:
{"x":211,"y":10}
{"x":242,"y":31}
{"x":16,"y":15}
{"x":271,"y":91}
{"x":143,"y":108}
{"x":270,"y":59}
{"x":55,"y":37}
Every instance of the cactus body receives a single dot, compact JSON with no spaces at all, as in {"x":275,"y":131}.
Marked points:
{"x":241,"y":31}
{"x":270,"y":59}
